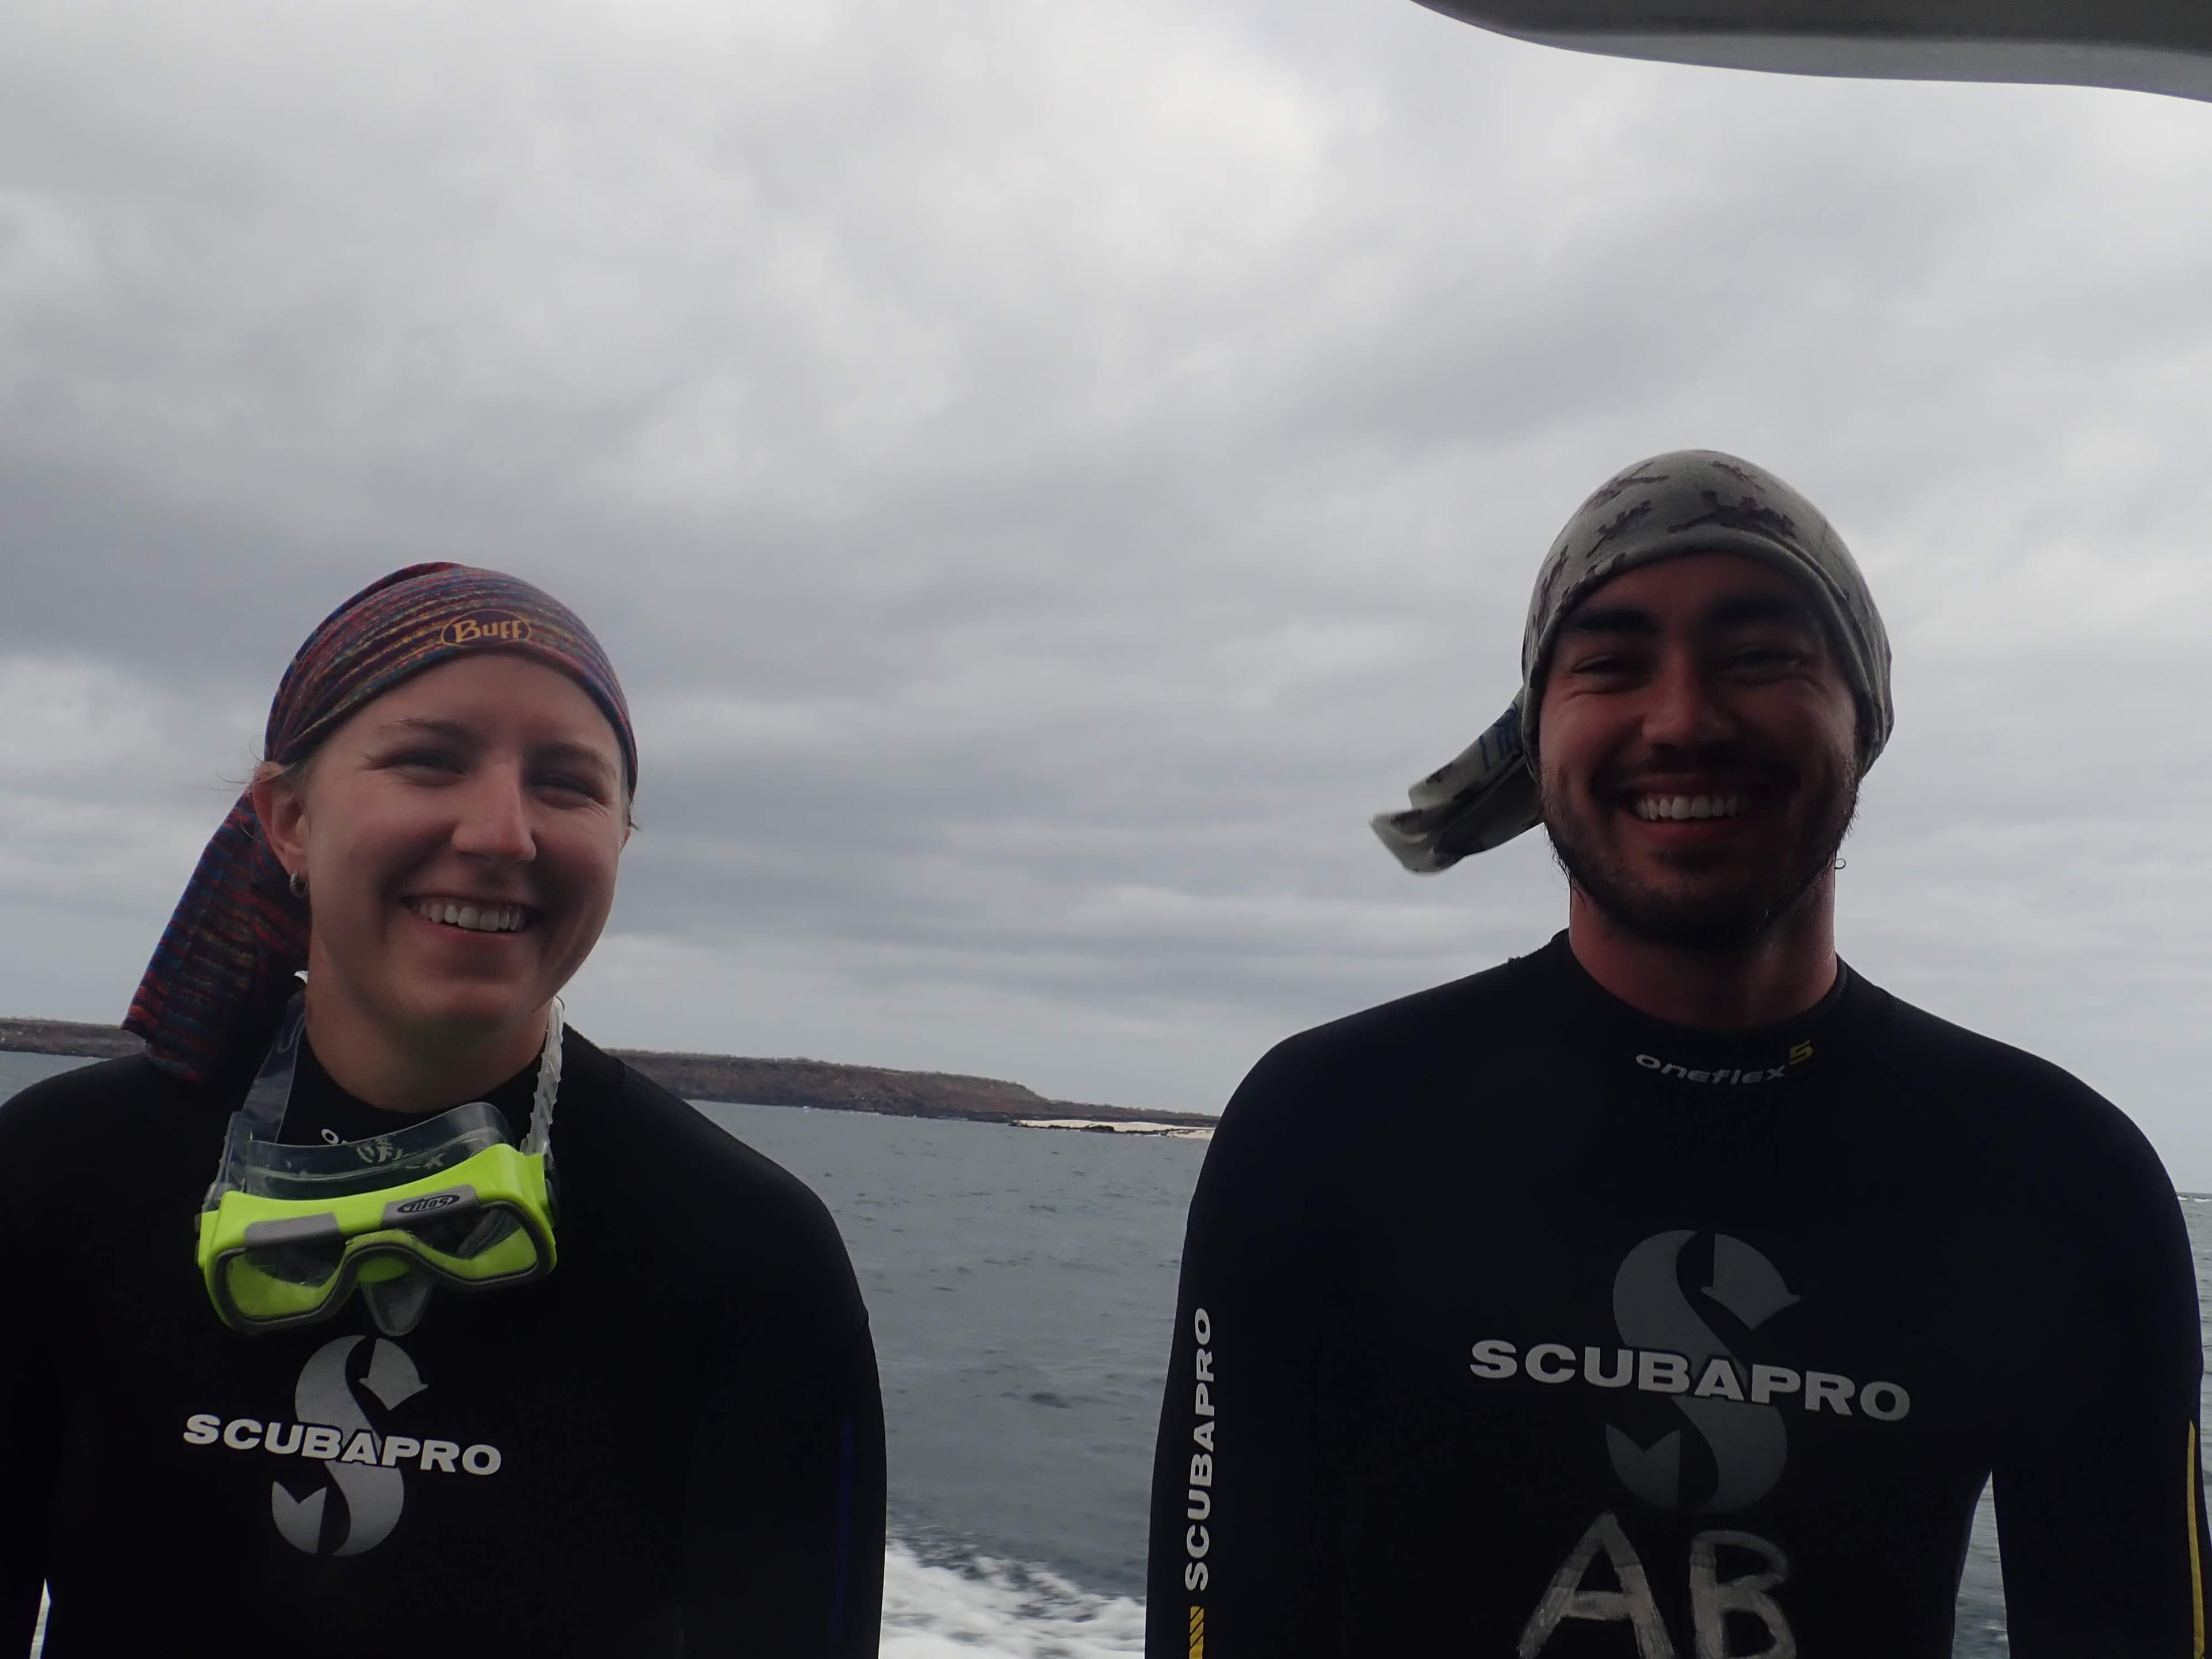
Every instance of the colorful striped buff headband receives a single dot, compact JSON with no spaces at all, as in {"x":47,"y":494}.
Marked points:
{"x":229,"y":957}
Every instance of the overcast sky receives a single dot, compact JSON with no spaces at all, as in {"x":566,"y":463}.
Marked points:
{"x":1047,"y":472}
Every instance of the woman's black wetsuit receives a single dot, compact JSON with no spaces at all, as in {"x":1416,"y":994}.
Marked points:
{"x":673,"y":1445}
{"x":1514,"y":1323}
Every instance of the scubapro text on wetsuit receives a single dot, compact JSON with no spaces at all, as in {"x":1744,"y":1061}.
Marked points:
{"x":333,"y":1445}
{"x":1197,"y":1539}
{"x":1656,"y":1371}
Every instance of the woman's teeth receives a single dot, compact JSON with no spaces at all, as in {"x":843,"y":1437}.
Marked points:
{"x":478,"y":918}
{"x":1652,"y":808}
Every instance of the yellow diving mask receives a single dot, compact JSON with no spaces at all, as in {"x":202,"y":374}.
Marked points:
{"x":287,"y":1232}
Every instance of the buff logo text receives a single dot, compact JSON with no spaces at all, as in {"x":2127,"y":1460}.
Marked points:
{"x":485,"y":628}
{"x":1196,"y":1539}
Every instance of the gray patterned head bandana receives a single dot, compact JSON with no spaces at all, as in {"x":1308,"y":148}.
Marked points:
{"x":1693,"y":501}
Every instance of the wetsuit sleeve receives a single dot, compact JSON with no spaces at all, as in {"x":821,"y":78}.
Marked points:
{"x":2099,"y":1497}
{"x":27,"y":1478}
{"x":784,"y":1535}
{"x":27,"y":1437}
{"x":1247,"y":1491}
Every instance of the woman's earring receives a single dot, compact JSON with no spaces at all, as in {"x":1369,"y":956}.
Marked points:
{"x":299,"y":883}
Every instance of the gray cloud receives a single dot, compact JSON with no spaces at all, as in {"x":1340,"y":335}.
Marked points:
{"x":1046,"y":482}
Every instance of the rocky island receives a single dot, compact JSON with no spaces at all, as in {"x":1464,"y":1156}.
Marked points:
{"x":819,"y":1084}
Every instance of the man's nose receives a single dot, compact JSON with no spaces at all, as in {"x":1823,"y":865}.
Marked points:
{"x":1682,"y":712}
{"x":495,"y":821}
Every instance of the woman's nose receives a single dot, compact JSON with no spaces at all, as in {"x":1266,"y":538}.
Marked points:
{"x":494,"y":821}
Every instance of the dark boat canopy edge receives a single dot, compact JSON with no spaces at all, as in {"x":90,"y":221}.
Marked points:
{"x":2160,"y":48}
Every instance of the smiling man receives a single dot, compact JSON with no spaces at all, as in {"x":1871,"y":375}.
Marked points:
{"x":1674,"y":1290}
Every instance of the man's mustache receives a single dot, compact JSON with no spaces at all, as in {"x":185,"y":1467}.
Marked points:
{"x":1733,"y":760}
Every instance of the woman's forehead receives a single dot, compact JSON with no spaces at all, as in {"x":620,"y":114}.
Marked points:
{"x":493,"y":694}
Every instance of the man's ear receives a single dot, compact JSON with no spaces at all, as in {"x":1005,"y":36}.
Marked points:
{"x":281,"y":803}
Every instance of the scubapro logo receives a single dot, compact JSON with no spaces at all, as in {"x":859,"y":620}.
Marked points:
{"x":363,"y":1466}
{"x":485,"y":628}
{"x":428,"y":1202}
{"x":1735,"y":1409}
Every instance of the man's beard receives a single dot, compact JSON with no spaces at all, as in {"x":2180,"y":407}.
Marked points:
{"x":1720,"y":921}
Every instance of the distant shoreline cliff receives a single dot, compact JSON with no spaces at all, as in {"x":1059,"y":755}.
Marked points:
{"x":819,"y":1084}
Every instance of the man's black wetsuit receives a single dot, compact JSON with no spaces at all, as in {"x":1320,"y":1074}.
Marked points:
{"x":672,"y":1445}
{"x":1513,"y":1322}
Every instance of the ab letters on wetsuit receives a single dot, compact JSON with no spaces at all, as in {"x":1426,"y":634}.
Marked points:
{"x":1497,"y":1338}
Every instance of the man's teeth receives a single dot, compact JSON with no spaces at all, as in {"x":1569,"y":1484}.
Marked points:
{"x":478,"y":918}
{"x":1653,"y":808}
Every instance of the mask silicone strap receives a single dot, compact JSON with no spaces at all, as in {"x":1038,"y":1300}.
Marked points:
{"x":267,"y":1102}
{"x":549,"y":1083}
{"x":271,"y":1096}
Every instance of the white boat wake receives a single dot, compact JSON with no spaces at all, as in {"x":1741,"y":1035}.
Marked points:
{"x":983,"y":1608}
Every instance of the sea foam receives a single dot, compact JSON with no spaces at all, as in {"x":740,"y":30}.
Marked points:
{"x":983,"y":1607}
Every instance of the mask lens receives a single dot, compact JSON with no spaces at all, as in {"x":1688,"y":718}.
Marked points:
{"x":455,"y":1223}
{"x":467,"y":1236}
{"x":489,"y":1232}
{"x":299,"y":1250}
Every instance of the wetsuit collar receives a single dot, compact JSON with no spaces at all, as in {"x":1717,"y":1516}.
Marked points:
{"x":318,"y":1103}
{"x":1713,"y":1064}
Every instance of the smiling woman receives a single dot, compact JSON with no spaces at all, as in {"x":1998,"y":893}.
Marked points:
{"x":673,"y":1445}
{"x":459,"y":838}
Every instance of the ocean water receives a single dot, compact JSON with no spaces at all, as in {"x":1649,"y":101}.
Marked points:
{"x":1022,"y":1284}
